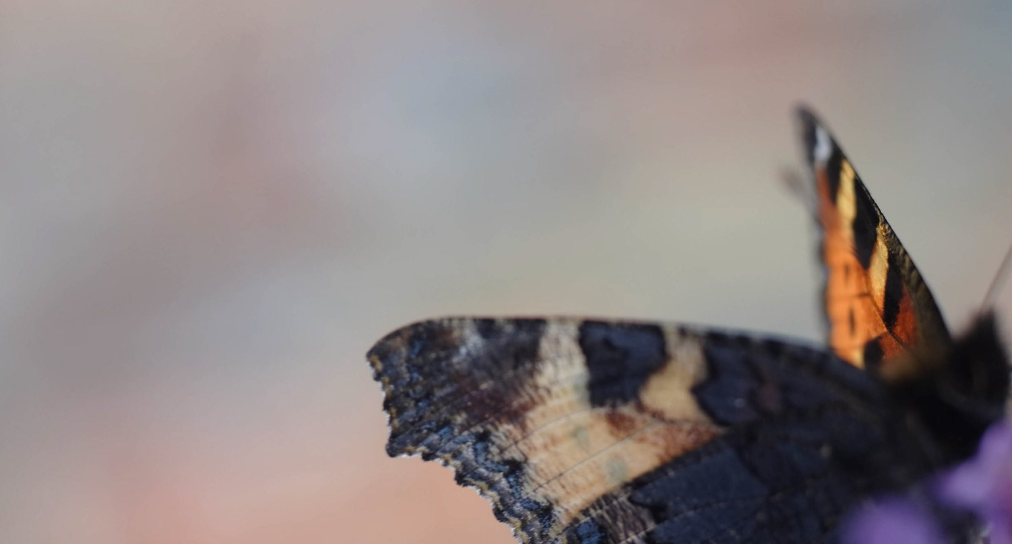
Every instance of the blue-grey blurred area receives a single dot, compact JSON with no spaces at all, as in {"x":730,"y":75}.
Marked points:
{"x":210,"y":210}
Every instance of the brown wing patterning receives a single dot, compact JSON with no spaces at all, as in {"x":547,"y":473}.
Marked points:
{"x":593,"y":432}
{"x":536,"y":426}
{"x":878,"y":306}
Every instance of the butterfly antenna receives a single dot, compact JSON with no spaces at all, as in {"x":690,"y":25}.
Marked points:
{"x":996,"y":283}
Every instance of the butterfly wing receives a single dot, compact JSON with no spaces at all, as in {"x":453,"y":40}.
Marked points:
{"x":878,"y":306}
{"x":598,"y":432}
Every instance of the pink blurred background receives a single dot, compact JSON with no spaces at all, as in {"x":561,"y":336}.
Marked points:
{"x":212,"y":209}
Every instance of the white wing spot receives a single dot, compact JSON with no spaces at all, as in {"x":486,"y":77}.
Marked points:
{"x":823,"y":147}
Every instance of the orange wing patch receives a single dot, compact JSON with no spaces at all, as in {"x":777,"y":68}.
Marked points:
{"x":876,"y":302}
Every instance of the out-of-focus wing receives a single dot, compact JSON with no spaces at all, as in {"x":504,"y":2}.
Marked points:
{"x":878,"y":306}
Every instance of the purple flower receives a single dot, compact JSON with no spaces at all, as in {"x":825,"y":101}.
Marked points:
{"x":891,"y":521}
{"x":984,"y":484}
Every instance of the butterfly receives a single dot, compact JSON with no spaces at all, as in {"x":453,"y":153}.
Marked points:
{"x":586,"y":431}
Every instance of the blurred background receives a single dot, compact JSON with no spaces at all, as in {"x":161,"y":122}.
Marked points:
{"x":211,"y":210}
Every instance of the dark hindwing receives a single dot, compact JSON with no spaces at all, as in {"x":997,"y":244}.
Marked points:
{"x":598,"y":432}
{"x":877,"y":305}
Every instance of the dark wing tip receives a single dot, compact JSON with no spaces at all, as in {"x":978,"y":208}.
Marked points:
{"x":811,"y":129}
{"x":387,"y":349}
{"x":387,"y":355}
{"x":429,"y":370}
{"x":808,"y":124}
{"x":450,"y":387}
{"x":405,"y":363}
{"x":806,"y":114}
{"x":395,"y":352}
